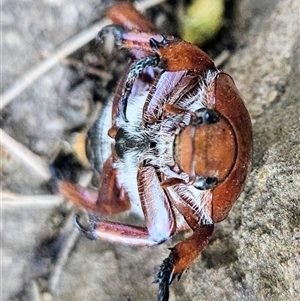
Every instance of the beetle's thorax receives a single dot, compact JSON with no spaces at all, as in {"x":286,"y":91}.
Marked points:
{"x":159,"y":144}
{"x":149,"y":143}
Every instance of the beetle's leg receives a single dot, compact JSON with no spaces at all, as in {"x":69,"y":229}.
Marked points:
{"x":91,"y":200}
{"x":159,"y":215}
{"x":169,"y":49}
{"x":177,"y":55}
{"x":135,"y":70}
{"x":111,"y":200}
{"x":117,"y":232}
{"x":163,"y":98}
{"x":136,"y":41}
{"x":171,"y":182}
{"x":173,"y":109}
{"x":180,"y":259}
{"x":129,"y":17}
{"x":80,"y":196}
{"x":122,"y":233}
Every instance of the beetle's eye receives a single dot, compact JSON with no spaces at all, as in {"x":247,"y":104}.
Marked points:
{"x":210,"y":117}
{"x":205,"y":183}
{"x":205,"y":116}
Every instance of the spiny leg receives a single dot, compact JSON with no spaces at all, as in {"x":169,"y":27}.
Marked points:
{"x":116,"y":232}
{"x":112,"y":199}
{"x":159,"y":217}
{"x":125,"y":14}
{"x":180,"y":259}
{"x":163,"y":278}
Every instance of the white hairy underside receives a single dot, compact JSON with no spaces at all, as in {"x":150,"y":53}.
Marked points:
{"x":128,"y":166}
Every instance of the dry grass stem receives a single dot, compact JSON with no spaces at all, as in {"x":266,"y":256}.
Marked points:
{"x":61,"y":53}
{"x":64,"y":254}
{"x":222,"y":58}
{"x":11,"y":199}
{"x":33,"y":161}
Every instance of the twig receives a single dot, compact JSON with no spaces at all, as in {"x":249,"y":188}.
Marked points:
{"x":62,"y":52}
{"x":63,"y":255}
{"x":222,"y":58}
{"x":147,"y":4}
{"x":47,"y":200}
{"x":35,"y":162}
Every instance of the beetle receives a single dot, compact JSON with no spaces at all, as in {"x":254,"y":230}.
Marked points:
{"x":180,"y":146}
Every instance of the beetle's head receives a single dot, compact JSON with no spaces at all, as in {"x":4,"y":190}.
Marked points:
{"x":206,"y":149}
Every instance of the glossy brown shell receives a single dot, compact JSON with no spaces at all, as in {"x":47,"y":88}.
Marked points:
{"x":229,"y":103}
{"x":208,"y":150}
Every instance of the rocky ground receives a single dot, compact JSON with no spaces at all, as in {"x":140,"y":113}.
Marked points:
{"x":255,"y":252}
